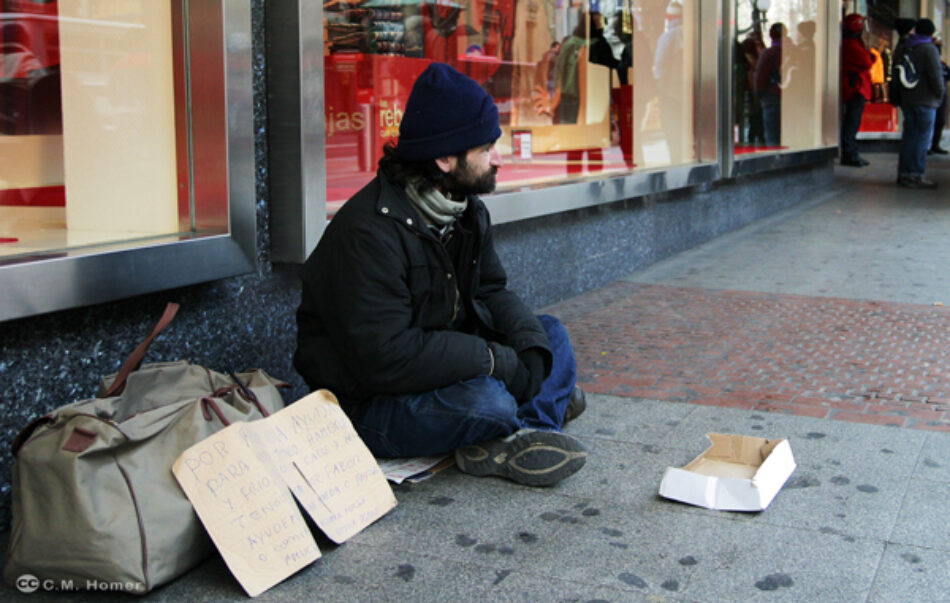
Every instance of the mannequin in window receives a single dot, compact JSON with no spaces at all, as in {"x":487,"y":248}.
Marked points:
{"x":668,"y":72}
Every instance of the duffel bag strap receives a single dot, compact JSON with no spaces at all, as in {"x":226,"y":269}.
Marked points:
{"x":208,"y":405}
{"x":27,"y":431}
{"x":134,"y":361}
{"x":245,"y":393}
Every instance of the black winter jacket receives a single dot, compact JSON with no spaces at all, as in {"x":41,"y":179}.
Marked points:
{"x":931,"y":87}
{"x":379,"y":300}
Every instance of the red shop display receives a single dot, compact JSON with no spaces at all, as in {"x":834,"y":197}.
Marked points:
{"x":29,"y":68}
{"x":30,"y":89}
{"x":366,"y":95}
{"x":879,"y":117}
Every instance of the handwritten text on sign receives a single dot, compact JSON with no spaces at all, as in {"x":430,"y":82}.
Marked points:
{"x":238,"y":481}
{"x":246,"y":509}
{"x":328,"y":468}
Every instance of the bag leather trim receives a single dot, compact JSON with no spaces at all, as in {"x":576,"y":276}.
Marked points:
{"x":79,"y":440}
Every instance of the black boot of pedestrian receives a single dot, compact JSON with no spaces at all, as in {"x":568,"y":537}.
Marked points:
{"x":854,"y":161}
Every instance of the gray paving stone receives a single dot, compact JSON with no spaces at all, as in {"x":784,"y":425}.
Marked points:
{"x":355,"y":573}
{"x":911,"y":573}
{"x":665,"y":552}
{"x":529,"y":588}
{"x":473,"y":520}
{"x":622,"y":472}
{"x":629,"y":419}
{"x":922,"y":519}
{"x":934,"y":461}
{"x":345,"y":574}
{"x":830,"y":503}
{"x":867,"y":241}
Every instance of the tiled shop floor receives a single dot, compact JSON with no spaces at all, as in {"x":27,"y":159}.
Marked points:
{"x":865,"y":361}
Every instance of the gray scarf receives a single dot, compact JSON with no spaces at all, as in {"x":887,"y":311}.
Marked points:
{"x":436,"y":208}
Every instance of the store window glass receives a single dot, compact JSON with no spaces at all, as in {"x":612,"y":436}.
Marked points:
{"x":584,"y":89}
{"x":777,"y":75}
{"x":665,"y":45}
{"x":880,"y":37}
{"x":92,"y":148}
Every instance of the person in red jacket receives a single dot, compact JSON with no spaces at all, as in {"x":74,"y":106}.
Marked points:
{"x":856,"y":62}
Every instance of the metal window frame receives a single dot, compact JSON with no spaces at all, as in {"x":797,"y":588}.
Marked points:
{"x":222,"y":146}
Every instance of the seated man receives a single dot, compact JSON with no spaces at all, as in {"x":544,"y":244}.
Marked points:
{"x":406,"y":316}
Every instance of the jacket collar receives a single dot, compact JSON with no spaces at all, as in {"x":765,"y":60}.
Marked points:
{"x":918,"y":39}
{"x":393,"y":203}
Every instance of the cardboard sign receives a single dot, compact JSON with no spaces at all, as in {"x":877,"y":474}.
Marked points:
{"x":247,"y":510}
{"x":240,"y":482}
{"x":313,"y":446}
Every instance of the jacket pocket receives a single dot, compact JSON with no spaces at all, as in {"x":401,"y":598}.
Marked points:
{"x":433,"y":296}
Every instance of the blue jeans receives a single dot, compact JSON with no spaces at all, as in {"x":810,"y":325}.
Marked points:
{"x":850,"y":124}
{"x":918,"y":132}
{"x":468,"y":412}
{"x":772,"y":122}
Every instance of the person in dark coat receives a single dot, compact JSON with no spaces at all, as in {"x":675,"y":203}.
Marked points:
{"x":919,"y":105}
{"x":940,"y":121}
{"x":768,"y":84}
{"x":406,"y":314}
{"x":856,"y":62}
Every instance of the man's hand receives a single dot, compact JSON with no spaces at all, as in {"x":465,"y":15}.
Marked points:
{"x":510,"y":370}
{"x":505,"y":363}
{"x":534,"y":364}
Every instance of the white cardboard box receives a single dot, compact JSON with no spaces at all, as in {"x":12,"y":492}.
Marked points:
{"x":736,"y":473}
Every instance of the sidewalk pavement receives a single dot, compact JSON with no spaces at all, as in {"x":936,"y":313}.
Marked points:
{"x":817,"y":325}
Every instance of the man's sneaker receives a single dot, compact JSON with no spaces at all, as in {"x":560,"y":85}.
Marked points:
{"x":576,"y":406}
{"x":528,"y":457}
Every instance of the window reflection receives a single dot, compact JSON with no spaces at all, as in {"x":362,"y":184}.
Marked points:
{"x":584,"y":89}
{"x":666,"y":37}
{"x":882,"y":34}
{"x":776,"y":75}
{"x":87,"y":124}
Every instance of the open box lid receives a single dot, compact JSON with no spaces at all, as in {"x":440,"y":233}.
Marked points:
{"x":736,"y":473}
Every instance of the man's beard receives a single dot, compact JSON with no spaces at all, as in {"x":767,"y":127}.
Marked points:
{"x":464,"y":181}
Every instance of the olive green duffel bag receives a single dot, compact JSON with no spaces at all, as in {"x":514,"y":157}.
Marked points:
{"x":95,"y":504}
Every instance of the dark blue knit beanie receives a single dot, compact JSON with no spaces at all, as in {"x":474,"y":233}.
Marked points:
{"x":447,"y":113}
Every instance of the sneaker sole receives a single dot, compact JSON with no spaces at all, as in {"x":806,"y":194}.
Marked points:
{"x":538,"y":458}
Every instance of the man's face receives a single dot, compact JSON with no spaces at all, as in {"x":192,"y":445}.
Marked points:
{"x":474,"y":173}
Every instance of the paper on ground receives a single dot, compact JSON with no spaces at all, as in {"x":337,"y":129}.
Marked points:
{"x":239,"y":481}
{"x":414,"y":469}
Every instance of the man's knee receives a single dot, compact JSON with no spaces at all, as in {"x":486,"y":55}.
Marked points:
{"x":484,"y":398}
{"x":552,"y":326}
